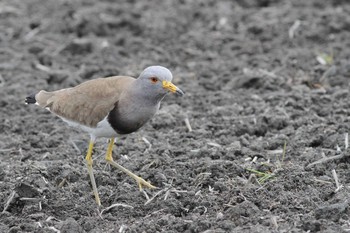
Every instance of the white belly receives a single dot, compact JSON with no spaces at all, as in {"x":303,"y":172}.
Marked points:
{"x":103,"y":128}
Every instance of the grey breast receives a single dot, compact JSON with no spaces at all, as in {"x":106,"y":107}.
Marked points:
{"x":125,"y":122}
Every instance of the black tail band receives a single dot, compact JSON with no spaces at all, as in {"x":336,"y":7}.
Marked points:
{"x":30,"y":99}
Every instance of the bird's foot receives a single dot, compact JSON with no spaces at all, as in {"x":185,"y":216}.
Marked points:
{"x":142,"y":183}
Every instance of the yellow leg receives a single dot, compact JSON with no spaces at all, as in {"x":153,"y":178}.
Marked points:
{"x":89,"y":163}
{"x":141,"y":182}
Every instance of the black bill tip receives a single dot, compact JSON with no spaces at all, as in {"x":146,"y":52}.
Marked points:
{"x":179,"y":92}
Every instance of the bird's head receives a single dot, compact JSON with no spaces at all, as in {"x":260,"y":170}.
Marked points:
{"x":156,"y":80}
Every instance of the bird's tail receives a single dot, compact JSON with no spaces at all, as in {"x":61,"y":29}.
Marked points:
{"x":30,"y":99}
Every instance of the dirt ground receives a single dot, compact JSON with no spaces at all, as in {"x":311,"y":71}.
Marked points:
{"x":267,"y":97}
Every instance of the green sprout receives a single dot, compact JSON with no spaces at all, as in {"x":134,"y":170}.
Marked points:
{"x":325,"y":58}
{"x":280,"y":161}
{"x":264,"y":176}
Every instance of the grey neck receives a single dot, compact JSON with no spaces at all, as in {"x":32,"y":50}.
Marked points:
{"x":147,"y":97}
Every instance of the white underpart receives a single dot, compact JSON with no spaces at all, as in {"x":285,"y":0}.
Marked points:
{"x":103,"y":129}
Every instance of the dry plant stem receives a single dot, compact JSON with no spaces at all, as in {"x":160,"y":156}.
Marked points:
{"x":54,"y":229}
{"x":145,"y":194}
{"x":157,"y":211}
{"x":323,"y":181}
{"x":30,"y":199}
{"x":147,"y":142}
{"x":284,"y":150}
{"x":346,"y":141}
{"x":326,"y":159}
{"x":293,"y":28}
{"x":43,"y":68}
{"x":274,"y":221}
{"x":2,"y":81}
{"x":188,"y":125}
{"x":60,"y":185}
{"x":122,"y":228}
{"x":9,"y":200}
{"x":75,"y":146}
{"x":155,"y":195}
{"x":6,"y":150}
{"x":335,"y":176}
{"x":116,"y":205}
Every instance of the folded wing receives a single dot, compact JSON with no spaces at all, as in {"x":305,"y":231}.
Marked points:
{"x":87,"y":103}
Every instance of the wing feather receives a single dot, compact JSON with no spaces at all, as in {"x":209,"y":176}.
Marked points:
{"x":87,"y":103}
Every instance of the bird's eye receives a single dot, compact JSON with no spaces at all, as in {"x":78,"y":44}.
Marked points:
{"x":154,"y":80}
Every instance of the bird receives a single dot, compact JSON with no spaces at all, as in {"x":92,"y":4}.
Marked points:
{"x":108,"y":107}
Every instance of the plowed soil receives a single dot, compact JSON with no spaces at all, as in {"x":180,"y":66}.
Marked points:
{"x":267,"y":98}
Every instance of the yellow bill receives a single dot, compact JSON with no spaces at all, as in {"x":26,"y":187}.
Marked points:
{"x":172,"y":88}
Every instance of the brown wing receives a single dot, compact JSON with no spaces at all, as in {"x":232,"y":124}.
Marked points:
{"x":87,"y":103}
